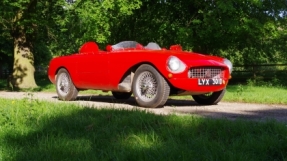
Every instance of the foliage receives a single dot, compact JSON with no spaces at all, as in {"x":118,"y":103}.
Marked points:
{"x":36,"y":130}
{"x":35,"y":18}
{"x":26,"y":24}
{"x":86,"y":20}
{"x":244,"y":31}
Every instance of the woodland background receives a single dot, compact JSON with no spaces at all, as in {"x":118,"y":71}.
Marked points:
{"x":244,"y":31}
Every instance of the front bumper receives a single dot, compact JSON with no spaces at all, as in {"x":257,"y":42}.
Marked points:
{"x":198,"y":86}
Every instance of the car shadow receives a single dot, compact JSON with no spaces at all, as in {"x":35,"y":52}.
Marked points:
{"x":131,"y":100}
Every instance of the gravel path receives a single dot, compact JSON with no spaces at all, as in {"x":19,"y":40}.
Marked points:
{"x":222,"y":110}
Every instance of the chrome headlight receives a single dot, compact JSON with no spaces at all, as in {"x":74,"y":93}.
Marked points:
{"x":175,"y":65}
{"x":229,"y":64}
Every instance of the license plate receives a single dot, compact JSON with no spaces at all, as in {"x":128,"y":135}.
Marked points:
{"x":209,"y":82}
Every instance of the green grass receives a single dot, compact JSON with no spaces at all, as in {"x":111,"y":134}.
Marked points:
{"x":251,"y":94}
{"x":35,"y":130}
{"x":256,"y":94}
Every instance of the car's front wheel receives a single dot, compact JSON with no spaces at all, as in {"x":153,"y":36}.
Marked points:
{"x":149,"y":87}
{"x":122,"y":95}
{"x":209,"y":98}
{"x":65,"y":87}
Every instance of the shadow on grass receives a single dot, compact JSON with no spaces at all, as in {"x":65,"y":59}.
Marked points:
{"x":106,"y":134}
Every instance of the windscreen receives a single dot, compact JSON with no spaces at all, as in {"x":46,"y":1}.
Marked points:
{"x":125,"y":45}
{"x":133,"y":44}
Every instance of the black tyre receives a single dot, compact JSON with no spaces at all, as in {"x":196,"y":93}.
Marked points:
{"x":65,"y":87}
{"x":210,"y":98}
{"x":122,"y":95}
{"x":150,"y":89}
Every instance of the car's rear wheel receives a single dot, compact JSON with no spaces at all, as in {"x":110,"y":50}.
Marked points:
{"x":122,"y":95}
{"x":65,"y":87}
{"x":150,"y":89}
{"x":209,"y":98}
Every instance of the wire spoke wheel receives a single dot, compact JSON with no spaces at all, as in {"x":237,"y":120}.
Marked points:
{"x":150,"y":89}
{"x":147,"y":86}
{"x":65,"y":87}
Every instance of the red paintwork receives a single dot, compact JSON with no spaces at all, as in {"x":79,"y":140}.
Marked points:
{"x":89,"y":46}
{"x":92,"y":68}
{"x":175,"y":47}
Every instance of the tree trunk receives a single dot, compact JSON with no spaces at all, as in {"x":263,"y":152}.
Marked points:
{"x":23,"y":67}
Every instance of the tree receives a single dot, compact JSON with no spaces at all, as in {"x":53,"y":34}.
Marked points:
{"x":58,"y":24}
{"x":26,"y":22}
{"x":245,"y":31}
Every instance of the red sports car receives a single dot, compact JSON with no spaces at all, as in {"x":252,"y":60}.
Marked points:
{"x":150,"y":73}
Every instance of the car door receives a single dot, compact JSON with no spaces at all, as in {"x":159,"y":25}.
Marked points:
{"x":92,"y":70}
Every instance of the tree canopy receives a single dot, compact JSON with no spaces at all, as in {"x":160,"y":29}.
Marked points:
{"x":86,"y":20}
{"x":242,"y":30}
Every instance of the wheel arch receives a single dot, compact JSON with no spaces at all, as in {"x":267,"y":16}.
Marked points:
{"x":132,"y":70}
{"x":66,"y":91}
{"x":63,"y":67}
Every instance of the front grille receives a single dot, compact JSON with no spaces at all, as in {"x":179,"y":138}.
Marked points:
{"x":206,"y":72}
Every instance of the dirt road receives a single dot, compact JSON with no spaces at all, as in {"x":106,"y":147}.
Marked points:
{"x":222,"y":110}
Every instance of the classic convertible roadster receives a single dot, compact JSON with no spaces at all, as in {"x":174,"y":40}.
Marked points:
{"x":150,"y":73}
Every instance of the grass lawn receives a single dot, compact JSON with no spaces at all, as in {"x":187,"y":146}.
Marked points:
{"x":36,"y":130}
{"x":256,"y":94}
